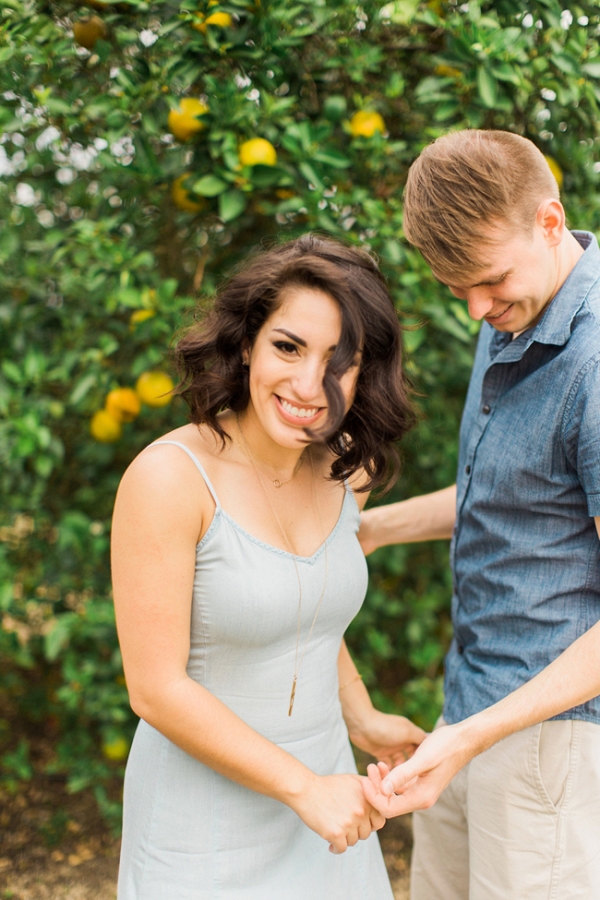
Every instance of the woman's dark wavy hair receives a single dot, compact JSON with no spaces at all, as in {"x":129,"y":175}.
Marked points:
{"x":213,"y":377}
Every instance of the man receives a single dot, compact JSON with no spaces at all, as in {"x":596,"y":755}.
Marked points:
{"x":521,"y":818}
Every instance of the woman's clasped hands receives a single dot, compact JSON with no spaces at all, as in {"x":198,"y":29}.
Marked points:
{"x":335,"y":806}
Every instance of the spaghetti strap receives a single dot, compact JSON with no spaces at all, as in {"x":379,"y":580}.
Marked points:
{"x":198,"y":465}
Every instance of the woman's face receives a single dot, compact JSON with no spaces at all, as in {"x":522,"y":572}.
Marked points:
{"x":287,"y":364}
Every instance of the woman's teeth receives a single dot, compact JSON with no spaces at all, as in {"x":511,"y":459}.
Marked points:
{"x":300,"y":412}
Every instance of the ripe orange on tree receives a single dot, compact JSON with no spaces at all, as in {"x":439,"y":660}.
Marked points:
{"x":183,"y":122}
{"x":104,"y":427}
{"x":123,"y":404}
{"x":154,"y":388}
{"x":116,"y":749}
{"x":140,"y":315}
{"x":258,"y":151}
{"x":366,"y":122}
{"x":555,"y":169}
{"x":182,"y":197}
{"x":88,"y":31}
{"x":218,"y":19}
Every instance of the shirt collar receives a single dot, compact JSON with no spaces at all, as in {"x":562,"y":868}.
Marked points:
{"x":555,"y":325}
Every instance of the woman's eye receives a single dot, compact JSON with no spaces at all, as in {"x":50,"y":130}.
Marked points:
{"x":285,"y":346}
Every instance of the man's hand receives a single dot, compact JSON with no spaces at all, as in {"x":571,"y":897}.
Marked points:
{"x":418,"y":783}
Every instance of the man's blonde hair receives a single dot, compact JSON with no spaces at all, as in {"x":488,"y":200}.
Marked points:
{"x":464,"y":184}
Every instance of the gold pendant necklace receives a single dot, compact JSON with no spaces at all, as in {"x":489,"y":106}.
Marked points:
{"x":297,"y":663}
{"x":277,"y":483}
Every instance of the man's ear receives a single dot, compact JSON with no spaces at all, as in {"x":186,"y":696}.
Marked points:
{"x":550,"y":217}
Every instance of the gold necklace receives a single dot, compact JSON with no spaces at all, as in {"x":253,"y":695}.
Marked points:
{"x":297,"y":663}
{"x":277,"y":483}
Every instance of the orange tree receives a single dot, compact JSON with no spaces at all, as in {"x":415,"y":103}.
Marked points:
{"x":145,"y":147}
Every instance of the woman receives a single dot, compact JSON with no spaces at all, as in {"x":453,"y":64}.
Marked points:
{"x":236,"y":572}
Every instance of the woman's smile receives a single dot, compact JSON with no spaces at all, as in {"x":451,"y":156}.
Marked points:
{"x":297,"y":413}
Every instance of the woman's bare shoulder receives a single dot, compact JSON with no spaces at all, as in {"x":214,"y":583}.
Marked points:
{"x":164,"y":480}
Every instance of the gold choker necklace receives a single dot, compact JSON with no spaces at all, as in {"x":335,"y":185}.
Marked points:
{"x":297,"y":662}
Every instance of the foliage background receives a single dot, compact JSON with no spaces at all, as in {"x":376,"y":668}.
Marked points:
{"x":89,"y":234}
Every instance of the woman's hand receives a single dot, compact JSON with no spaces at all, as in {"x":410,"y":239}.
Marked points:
{"x":336,"y":808}
{"x":391,"y":739}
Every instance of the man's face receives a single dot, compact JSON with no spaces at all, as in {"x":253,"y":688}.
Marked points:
{"x":512,"y":291}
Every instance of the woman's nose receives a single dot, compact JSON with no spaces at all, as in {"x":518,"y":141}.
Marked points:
{"x":308,"y":380}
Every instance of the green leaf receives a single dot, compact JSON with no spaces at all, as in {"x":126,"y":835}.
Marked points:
{"x":487,"y":87}
{"x":58,"y":637}
{"x":210,"y":186}
{"x":592,"y":69}
{"x":12,"y":371}
{"x":335,"y":107}
{"x":332,"y":158}
{"x":506,"y":72}
{"x":311,"y":176}
{"x":231,"y":205}
{"x":83,"y":388}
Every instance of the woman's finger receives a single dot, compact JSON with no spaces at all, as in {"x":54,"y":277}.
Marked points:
{"x":375,"y":776}
{"x":377,"y":820}
{"x":353,"y":836}
{"x":339,"y":845}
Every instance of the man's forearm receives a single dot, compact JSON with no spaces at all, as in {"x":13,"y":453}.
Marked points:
{"x":426,"y":518}
{"x":572,"y":679}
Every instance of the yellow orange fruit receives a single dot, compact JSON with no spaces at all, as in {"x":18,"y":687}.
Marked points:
{"x":182,"y":198}
{"x":154,"y":388}
{"x":123,"y":404}
{"x":140,"y":315}
{"x":445,"y":71}
{"x":555,"y":169}
{"x":104,"y":427}
{"x":88,"y":31}
{"x":366,"y":122}
{"x":258,"y":151}
{"x":183,"y":122}
{"x":219,"y":19}
{"x":116,"y":750}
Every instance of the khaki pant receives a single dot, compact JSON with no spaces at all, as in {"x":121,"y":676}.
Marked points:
{"x":520,"y":822}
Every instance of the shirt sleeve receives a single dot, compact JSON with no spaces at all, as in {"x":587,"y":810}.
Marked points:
{"x":581,"y":432}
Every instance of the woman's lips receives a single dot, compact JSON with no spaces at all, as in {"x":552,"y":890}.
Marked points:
{"x":293,"y":418}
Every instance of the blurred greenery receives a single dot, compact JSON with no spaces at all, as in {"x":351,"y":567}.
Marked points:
{"x":103,"y":259}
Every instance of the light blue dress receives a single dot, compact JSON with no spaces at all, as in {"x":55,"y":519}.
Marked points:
{"x":192,"y":834}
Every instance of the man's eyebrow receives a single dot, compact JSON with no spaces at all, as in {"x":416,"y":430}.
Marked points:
{"x":494,"y":279}
{"x":293,"y":337}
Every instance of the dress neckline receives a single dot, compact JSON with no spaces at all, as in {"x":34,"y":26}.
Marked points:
{"x":220,"y":512}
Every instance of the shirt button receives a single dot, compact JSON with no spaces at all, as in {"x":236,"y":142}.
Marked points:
{"x":486,"y":409}
{"x":468,"y":470}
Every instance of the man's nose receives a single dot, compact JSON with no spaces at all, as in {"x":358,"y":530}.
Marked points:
{"x":479,"y":302}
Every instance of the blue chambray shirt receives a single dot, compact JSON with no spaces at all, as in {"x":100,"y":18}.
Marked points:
{"x":525,"y":552}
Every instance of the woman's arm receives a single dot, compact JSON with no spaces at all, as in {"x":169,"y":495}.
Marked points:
{"x":162,"y":509}
{"x":386,"y":737}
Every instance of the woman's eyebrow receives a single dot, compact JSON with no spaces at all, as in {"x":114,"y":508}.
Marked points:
{"x":296,"y":339}
{"x":293,"y":337}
